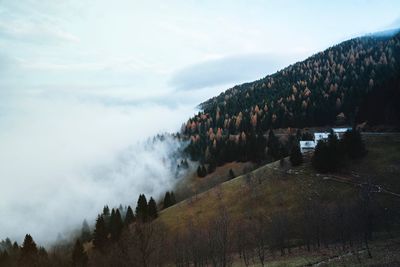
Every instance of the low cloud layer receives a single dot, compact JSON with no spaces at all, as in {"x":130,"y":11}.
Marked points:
{"x":63,"y":159}
{"x":227,"y":70}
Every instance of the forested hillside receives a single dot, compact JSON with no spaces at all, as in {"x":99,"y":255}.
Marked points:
{"x":355,"y":81}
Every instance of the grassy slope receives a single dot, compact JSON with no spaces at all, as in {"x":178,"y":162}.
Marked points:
{"x":192,"y":184}
{"x":273,"y":187}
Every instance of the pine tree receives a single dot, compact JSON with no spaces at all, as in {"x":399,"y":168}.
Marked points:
{"x":106,"y":217}
{"x":29,"y":252}
{"x":129,"y":216}
{"x":320,"y":158}
{"x":15,"y":247}
{"x":85,"y":232}
{"x":79,"y":256}
{"x":167,"y":200}
{"x":296,"y":158}
{"x":173,"y":200}
{"x":100,"y":233}
{"x":335,"y":152}
{"x":141,"y":208}
{"x":28,"y":246}
{"x":106,"y":211}
{"x":152,"y":209}
{"x":116,"y":225}
{"x":201,"y":171}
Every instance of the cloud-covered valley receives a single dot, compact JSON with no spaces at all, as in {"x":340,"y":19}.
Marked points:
{"x":63,"y":159}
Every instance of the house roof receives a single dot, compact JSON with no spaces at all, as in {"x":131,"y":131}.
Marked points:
{"x":341,"y":130}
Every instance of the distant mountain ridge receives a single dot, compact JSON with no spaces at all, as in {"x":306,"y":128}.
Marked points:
{"x":354,"y":81}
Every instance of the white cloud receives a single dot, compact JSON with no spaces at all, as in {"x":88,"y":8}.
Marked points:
{"x":63,"y":159}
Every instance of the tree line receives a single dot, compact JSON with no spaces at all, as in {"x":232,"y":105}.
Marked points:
{"x":110,"y":227}
{"x":333,"y":153}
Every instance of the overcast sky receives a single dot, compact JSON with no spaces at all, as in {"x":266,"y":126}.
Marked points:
{"x":142,"y":49}
{"x":81,"y":81}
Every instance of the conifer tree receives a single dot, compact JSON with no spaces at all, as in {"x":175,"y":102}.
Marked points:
{"x":167,"y":200}
{"x":129,"y":217}
{"x":106,"y":217}
{"x":142,"y":208}
{"x":173,"y":200}
{"x":335,"y":151}
{"x":152,"y":209}
{"x":100,"y":233}
{"x":29,"y":251}
{"x":85,"y":232}
{"x":201,"y":171}
{"x":296,"y":158}
{"x":106,"y":211}
{"x":15,"y":247}
{"x":79,"y":256}
{"x":115,"y":224}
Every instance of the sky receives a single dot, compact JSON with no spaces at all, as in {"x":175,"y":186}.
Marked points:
{"x":84,"y":83}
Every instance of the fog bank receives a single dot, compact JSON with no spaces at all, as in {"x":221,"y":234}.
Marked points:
{"x":62,"y":159}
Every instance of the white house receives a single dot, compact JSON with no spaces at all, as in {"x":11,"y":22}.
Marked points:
{"x":320,"y":136}
{"x":310,"y":145}
{"x":340,"y":131}
{"x":306,"y":146}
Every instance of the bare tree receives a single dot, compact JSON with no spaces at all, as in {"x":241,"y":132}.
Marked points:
{"x":260,"y":233}
{"x":280,"y":232}
{"x":244,"y":241}
{"x":219,"y":240}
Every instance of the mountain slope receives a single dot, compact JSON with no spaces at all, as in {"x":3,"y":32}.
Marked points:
{"x":355,"y":81}
{"x":314,"y":91}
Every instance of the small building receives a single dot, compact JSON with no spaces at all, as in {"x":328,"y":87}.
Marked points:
{"x":340,"y":131}
{"x":306,"y":146}
{"x":320,"y":136}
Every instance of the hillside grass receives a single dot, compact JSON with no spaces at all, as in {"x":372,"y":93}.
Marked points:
{"x":277,"y":187}
{"x":192,"y":184}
